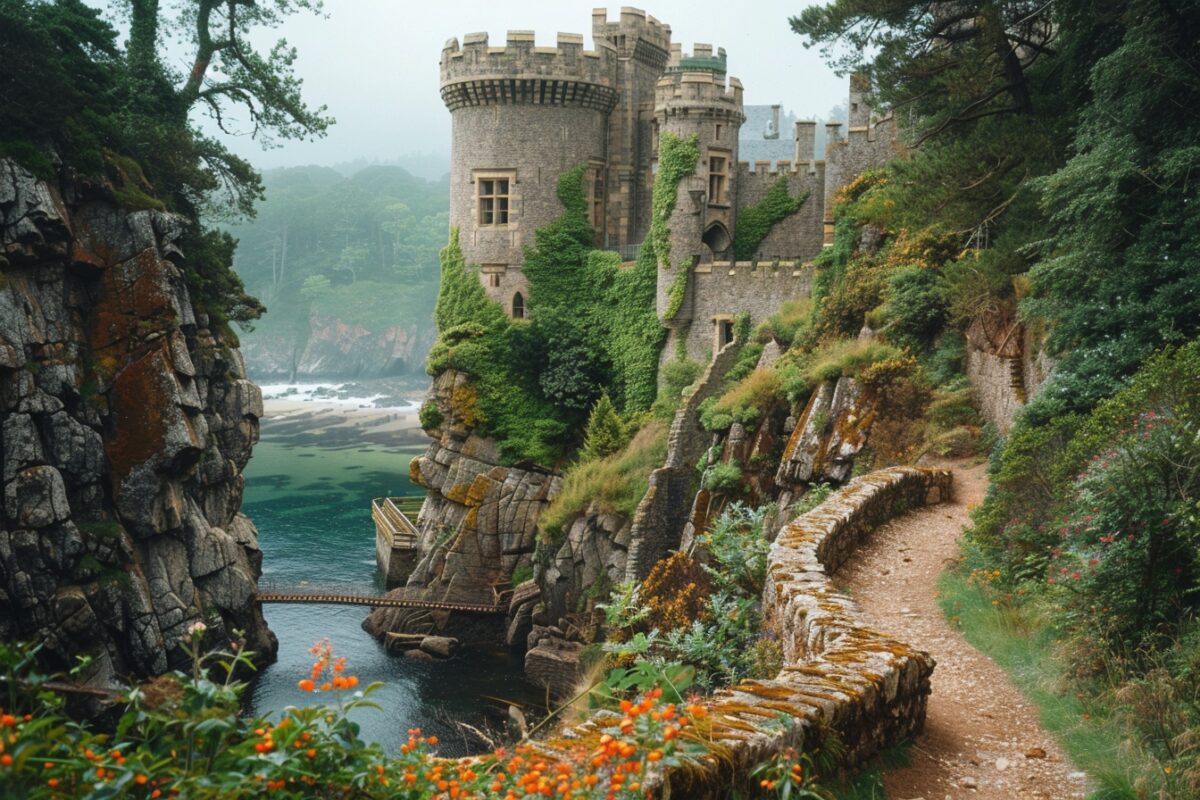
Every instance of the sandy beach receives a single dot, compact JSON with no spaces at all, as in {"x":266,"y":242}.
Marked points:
{"x":328,"y":415}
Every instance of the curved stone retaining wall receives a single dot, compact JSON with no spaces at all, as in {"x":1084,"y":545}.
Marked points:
{"x":839,"y":675}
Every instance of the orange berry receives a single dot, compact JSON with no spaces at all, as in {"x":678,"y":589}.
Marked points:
{"x":6,"y":760}
{"x":52,"y":782}
{"x":140,"y":779}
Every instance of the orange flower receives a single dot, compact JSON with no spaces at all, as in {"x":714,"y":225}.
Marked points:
{"x":306,"y":685}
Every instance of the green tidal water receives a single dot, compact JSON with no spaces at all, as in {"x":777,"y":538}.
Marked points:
{"x":312,"y":506}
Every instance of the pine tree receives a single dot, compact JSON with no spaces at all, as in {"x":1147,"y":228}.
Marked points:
{"x":605,"y":431}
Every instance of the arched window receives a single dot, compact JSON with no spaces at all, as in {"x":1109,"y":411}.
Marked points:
{"x":518,"y":306}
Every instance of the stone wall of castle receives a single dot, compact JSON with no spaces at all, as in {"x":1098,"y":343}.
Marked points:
{"x":798,"y":236}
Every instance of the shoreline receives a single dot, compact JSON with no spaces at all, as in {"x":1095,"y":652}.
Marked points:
{"x":326,"y":415}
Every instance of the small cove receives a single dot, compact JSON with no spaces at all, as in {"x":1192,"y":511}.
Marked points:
{"x":308,"y":490}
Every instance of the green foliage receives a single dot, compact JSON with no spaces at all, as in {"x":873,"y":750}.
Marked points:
{"x":787,"y":324}
{"x":1110,"y":499}
{"x":816,"y":494}
{"x":593,"y":327}
{"x":847,"y":358}
{"x":1119,"y":277}
{"x":915,"y":307}
{"x":755,"y":222}
{"x":723,"y":478}
{"x":746,"y":402}
{"x":605,"y":432}
{"x":738,"y":546}
{"x":615,"y":484}
{"x":461,"y":298}
{"x":430,"y":416}
{"x":676,"y":376}
{"x":186,"y":736}
{"x":677,"y":159}
{"x":677,"y":292}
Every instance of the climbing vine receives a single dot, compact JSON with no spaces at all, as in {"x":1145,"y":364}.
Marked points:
{"x":677,"y":292}
{"x":755,"y":222}
{"x":677,"y":159}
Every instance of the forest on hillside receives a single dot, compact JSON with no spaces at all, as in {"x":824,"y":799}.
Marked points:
{"x":352,"y":257}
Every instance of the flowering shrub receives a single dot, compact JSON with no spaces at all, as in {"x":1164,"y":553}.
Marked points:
{"x":1127,"y":554}
{"x":183,"y":736}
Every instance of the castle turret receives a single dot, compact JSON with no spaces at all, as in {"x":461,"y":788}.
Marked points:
{"x":695,"y":98}
{"x":643,"y":45}
{"x":522,"y":116}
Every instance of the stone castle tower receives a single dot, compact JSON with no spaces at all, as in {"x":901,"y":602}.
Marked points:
{"x":523,"y":115}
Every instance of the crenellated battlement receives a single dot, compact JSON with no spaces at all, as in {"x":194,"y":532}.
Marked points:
{"x":706,"y":92}
{"x":701,"y":59}
{"x":635,"y":34}
{"x":476,"y":73}
{"x":768,"y":171}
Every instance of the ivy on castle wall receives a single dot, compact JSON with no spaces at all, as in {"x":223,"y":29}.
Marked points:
{"x":592,"y":328}
{"x":755,"y":223}
{"x":677,"y":159}
{"x":677,"y":292}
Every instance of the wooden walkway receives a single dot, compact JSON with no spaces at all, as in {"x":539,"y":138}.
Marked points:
{"x":377,"y":601}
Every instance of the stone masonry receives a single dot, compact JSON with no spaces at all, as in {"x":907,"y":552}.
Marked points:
{"x":522,"y":115}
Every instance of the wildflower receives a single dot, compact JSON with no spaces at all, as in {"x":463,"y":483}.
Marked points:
{"x":196,"y":629}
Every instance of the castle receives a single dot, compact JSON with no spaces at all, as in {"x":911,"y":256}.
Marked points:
{"x":523,"y":115}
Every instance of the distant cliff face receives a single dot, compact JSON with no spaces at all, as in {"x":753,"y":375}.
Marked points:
{"x":339,"y":349}
{"x":125,"y":422}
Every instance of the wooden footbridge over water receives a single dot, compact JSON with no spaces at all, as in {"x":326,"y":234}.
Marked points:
{"x":380,"y":601}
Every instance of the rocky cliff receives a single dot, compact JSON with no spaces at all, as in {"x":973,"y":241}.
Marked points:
{"x":125,"y":421}
{"x":478,"y":525}
{"x":335,"y":348}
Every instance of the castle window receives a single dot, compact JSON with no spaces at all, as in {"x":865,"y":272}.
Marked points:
{"x":596,"y":207}
{"x":718,"y":177}
{"x":494,"y":280}
{"x":518,"y":306}
{"x":493,"y":192}
{"x":718,"y":136}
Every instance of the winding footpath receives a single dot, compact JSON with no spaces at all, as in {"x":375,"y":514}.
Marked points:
{"x":982,"y":739}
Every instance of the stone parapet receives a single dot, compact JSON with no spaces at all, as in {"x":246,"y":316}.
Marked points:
{"x":839,"y":674}
{"x":476,"y":73}
{"x":691,"y":92}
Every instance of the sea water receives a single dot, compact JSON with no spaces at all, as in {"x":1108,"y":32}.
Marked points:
{"x":311,"y":502}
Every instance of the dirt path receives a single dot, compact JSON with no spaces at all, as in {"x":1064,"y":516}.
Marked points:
{"x":979,"y":727}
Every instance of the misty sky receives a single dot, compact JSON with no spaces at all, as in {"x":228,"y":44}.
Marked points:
{"x":375,"y":64}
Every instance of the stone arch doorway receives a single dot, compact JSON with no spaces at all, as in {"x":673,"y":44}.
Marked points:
{"x":716,"y":238}
{"x":518,"y":306}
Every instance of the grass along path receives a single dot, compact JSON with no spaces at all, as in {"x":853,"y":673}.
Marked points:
{"x":982,"y":737}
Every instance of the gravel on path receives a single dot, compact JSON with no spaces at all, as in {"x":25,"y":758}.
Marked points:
{"x":982,"y":738}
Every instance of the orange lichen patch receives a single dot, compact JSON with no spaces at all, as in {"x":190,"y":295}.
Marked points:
{"x":142,"y":410}
{"x":83,"y":257}
{"x":464,"y":402}
{"x":457,"y":493}
{"x":764,"y":690}
{"x":480,"y":488}
{"x":128,"y":310}
{"x":414,"y":472}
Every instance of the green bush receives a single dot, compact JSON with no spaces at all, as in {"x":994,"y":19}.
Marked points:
{"x":430,"y":416}
{"x":915,"y":307}
{"x":724,"y":478}
{"x":605,"y":433}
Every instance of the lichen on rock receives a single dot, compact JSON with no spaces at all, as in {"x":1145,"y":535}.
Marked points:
{"x":125,"y":421}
